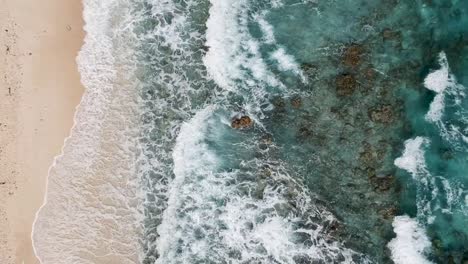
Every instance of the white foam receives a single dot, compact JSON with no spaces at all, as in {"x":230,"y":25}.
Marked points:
{"x":206,"y":201}
{"x":234,"y":60}
{"x":287,"y":62}
{"x":439,"y":80}
{"x":226,"y":36}
{"x":449,"y":95}
{"x":267,"y":29}
{"x":436,"y":108}
{"x":410,"y":244}
{"x":191,"y":158}
{"x":412,"y":160}
{"x":90,"y":210}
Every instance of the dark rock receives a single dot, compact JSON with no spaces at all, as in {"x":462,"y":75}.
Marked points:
{"x":296,"y":102}
{"x":382,"y":114}
{"x":346,"y":84}
{"x":389,"y":213}
{"x":279,"y":103}
{"x":382,"y":183}
{"x":352,"y":55}
{"x":368,"y":157}
{"x":370,"y":172}
{"x":334,"y":226}
{"x":241,"y":122}
{"x":304,"y":132}
{"x":205,"y":48}
{"x":309,"y":69}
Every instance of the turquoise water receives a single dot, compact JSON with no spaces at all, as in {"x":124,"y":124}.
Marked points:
{"x":335,"y":88}
{"x":357,"y":147}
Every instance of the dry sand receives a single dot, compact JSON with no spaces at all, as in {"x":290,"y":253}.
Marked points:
{"x":39,"y":90}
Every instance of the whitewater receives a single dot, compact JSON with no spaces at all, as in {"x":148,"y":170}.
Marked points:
{"x":348,"y":155}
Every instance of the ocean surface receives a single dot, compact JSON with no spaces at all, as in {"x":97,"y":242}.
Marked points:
{"x":255,"y":131}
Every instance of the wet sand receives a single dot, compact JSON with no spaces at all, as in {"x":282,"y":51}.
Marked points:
{"x":39,"y":91}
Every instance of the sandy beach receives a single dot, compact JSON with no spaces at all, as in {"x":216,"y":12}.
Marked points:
{"x":40,"y":89}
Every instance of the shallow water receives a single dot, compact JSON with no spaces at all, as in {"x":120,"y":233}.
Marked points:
{"x":359,"y":134}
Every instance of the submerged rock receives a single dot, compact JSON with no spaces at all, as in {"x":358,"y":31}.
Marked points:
{"x":241,"y":122}
{"x":309,"y":69}
{"x":382,"y":183}
{"x":389,"y":213}
{"x":345,"y":84}
{"x":304,"y":132}
{"x":205,"y":48}
{"x":352,"y":55}
{"x":382,"y":114}
{"x":266,"y":139}
{"x":279,"y":103}
{"x":368,"y":157}
{"x":296,"y":102}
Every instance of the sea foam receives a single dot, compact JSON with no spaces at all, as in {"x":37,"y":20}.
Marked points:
{"x":227,"y":37}
{"x":439,"y":81}
{"x":410,"y":244}
{"x":267,"y":29}
{"x":90,"y":210}
{"x":213,"y":216}
{"x":234,"y":59}
{"x":450,"y":97}
{"x":287,"y":62}
{"x":412,"y":160}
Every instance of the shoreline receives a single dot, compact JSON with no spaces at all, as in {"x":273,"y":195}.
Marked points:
{"x":40,"y":91}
